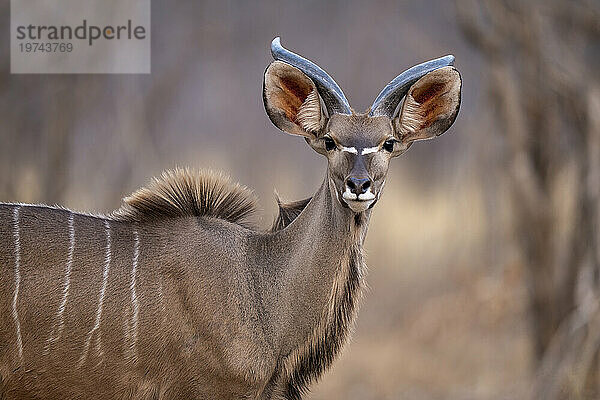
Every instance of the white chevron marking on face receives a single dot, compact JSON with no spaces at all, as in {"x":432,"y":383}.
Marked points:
{"x":350,"y":150}
{"x":368,"y":150}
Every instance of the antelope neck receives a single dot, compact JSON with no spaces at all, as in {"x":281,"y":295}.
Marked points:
{"x":312,"y":251}
{"x":326,"y":222}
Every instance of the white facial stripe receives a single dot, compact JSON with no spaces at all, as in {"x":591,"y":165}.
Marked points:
{"x":368,"y":150}
{"x":368,"y":195}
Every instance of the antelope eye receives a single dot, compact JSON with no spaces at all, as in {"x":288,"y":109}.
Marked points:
{"x":329,"y":144}
{"x":388,"y":145}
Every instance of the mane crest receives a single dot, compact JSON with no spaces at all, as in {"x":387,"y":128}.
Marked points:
{"x":189,"y":193}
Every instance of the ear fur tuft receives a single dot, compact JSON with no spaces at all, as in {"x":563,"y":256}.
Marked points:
{"x":430,"y":106}
{"x":309,"y":114}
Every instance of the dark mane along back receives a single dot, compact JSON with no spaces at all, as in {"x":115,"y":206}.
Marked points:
{"x":187,"y":193}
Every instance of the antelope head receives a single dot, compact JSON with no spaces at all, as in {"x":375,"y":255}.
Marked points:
{"x":302,"y":99}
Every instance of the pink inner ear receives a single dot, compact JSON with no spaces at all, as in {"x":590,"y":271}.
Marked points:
{"x":425,"y":93}
{"x":293,"y":93}
{"x":435,"y":97}
{"x":431,"y":105}
{"x":433,"y":108}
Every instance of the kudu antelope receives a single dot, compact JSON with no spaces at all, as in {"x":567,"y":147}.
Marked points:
{"x":176,"y":296}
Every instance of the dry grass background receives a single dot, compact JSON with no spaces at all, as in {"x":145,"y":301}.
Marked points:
{"x":446,"y":314}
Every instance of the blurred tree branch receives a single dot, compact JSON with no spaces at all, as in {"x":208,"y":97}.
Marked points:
{"x":542,"y":69}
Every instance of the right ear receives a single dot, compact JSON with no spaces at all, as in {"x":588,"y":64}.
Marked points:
{"x":292,"y":101}
{"x":430,"y":106}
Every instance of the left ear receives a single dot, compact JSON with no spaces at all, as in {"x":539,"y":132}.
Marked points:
{"x":430,"y":106}
{"x":292,"y":101}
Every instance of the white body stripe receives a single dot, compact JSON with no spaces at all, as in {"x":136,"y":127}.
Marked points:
{"x":368,"y":150}
{"x":350,"y":150}
{"x":134,"y":299}
{"x":15,"y":313}
{"x":96,"y":327}
{"x":59,"y":325}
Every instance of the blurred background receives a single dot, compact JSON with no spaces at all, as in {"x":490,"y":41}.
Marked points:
{"x":484,"y":252}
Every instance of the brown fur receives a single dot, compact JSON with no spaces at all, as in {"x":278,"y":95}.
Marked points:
{"x":288,"y":213}
{"x":176,"y":296}
{"x":319,"y":350}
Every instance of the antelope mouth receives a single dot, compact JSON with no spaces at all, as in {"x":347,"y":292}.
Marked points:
{"x":369,"y":196}
{"x":359,"y":203}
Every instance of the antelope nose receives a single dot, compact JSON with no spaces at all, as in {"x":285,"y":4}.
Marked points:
{"x":358,"y":186}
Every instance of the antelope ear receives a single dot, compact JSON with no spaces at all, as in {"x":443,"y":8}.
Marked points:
{"x":430,"y":106}
{"x":292,"y":101}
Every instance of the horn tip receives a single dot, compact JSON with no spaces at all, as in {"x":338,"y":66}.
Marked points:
{"x":275,"y":45}
{"x":449,"y":59}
